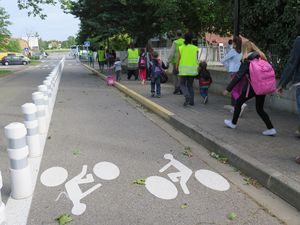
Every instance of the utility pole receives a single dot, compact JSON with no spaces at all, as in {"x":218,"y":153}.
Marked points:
{"x":236,"y":17}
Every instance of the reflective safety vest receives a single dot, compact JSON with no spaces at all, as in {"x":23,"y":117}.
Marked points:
{"x":188,"y":65}
{"x":179,"y":42}
{"x":101,"y":55}
{"x":133,"y":56}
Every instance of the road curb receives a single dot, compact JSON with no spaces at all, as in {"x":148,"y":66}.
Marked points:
{"x":276,"y":182}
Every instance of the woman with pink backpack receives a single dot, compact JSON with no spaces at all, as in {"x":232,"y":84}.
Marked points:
{"x":252,"y":57}
{"x":142,"y":63}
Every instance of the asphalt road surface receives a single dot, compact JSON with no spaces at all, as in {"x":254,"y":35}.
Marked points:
{"x":100,"y":150}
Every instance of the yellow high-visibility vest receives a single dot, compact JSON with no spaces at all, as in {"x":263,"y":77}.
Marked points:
{"x":133,"y":55}
{"x":179,"y":42}
{"x":188,"y":65}
{"x":101,"y":55}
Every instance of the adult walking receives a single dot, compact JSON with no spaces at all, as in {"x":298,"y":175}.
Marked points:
{"x":173,"y":60}
{"x":232,"y":62}
{"x":187,"y":65}
{"x":133,"y":58}
{"x":250,"y":52}
{"x":101,"y":58}
{"x":291,"y":74}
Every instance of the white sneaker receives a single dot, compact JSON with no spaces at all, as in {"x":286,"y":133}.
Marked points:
{"x":269,"y":132}
{"x":242,"y":109}
{"x":229,"y":124}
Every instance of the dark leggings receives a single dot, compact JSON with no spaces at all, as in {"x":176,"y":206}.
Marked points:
{"x":259,"y":101}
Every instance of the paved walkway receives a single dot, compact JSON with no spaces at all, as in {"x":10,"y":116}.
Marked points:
{"x":277,"y":153}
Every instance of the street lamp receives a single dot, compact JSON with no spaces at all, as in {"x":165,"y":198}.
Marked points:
{"x":236,"y":17}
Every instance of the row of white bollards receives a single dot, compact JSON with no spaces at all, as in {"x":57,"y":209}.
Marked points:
{"x":27,"y":139}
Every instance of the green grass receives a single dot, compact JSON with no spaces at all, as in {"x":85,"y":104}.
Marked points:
{"x":4,"y":72}
{"x":34,"y":62}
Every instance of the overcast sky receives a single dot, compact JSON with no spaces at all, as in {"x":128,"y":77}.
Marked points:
{"x":56,"y":26}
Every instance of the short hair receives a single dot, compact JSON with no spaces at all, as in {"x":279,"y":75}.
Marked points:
{"x":203,"y":65}
{"x":230,"y":41}
{"x":188,"y":37}
{"x":179,"y":33}
{"x":155,"y":55}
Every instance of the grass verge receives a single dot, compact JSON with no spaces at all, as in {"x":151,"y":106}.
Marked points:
{"x":4,"y":72}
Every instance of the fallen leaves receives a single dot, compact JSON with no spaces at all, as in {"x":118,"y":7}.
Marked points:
{"x":139,"y":181}
{"x":218,"y":157}
{"x":188,"y":152}
{"x":64,"y":219}
{"x":231,"y":216}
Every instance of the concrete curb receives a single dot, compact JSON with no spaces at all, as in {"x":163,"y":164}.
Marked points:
{"x":275,"y":181}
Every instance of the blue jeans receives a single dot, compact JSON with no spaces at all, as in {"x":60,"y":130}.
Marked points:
{"x":155,"y":83}
{"x":203,"y":91}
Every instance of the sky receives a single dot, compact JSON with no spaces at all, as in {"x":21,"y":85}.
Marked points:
{"x":56,"y":26}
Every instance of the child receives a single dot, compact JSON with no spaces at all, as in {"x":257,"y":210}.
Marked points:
{"x":142,"y":66}
{"x":118,"y":67}
{"x":156,"y":72}
{"x":204,"y":80}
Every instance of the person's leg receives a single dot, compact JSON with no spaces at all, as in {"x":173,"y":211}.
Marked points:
{"x":175,"y":80}
{"x":118,"y":78}
{"x":260,"y":101}
{"x":136,"y":74}
{"x":129,"y":74}
{"x":157,"y":87}
{"x":190,"y":82}
{"x":239,"y":102}
{"x":298,"y":106}
{"x":152,"y":86}
{"x":202,"y":92}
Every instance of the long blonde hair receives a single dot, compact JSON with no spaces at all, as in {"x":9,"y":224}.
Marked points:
{"x":248,"y":47}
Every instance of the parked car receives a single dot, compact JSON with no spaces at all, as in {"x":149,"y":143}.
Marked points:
{"x":15,"y":60}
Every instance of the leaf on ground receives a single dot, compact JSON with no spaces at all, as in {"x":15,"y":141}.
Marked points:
{"x":218,"y":157}
{"x":49,"y":137}
{"x":63,"y":219}
{"x":184,"y":206}
{"x":76,"y":152}
{"x":231,"y":216}
{"x":188,"y":152}
{"x":139,"y":181}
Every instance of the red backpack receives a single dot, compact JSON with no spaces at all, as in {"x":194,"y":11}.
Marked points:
{"x":262,"y":77}
{"x":142,"y":62}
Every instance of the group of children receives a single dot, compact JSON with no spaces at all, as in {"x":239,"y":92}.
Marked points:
{"x":157,"y":71}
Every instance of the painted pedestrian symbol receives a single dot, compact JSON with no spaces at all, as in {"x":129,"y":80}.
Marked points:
{"x":165,"y":189}
{"x":56,"y":176}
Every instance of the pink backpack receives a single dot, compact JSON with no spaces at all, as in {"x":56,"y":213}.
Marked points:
{"x":262,"y":77}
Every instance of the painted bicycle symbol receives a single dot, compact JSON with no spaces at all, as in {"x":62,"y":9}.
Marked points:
{"x":163,"y":188}
{"x":56,"y":176}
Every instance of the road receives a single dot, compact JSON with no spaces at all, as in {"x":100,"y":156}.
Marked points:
{"x":101,"y":146}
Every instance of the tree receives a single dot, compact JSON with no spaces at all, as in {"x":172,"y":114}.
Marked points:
{"x":13,"y":46}
{"x":4,"y":33}
{"x":270,"y":24}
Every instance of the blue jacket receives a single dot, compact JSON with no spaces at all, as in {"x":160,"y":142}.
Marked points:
{"x":232,"y":61}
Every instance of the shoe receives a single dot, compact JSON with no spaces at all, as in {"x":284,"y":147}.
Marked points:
{"x":143,"y":82}
{"x":180,"y":92}
{"x":297,"y":159}
{"x":152,"y":95}
{"x":269,"y":132}
{"x":229,"y":124}
{"x":242,"y":109}
{"x":157,"y":96}
{"x":175,"y":92}
{"x":297,"y":133}
{"x":191,"y":103}
{"x":205,"y":100}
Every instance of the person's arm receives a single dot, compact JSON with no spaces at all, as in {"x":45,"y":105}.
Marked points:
{"x":292,"y":63}
{"x":243,"y":70}
{"x":178,"y":61}
{"x":228,"y":56}
{"x":172,"y":52}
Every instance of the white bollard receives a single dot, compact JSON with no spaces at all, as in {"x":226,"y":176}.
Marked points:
{"x":21,"y":180}
{"x":38,"y":99}
{"x":44,"y":90}
{"x":2,"y":205}
{"x":31,"y":123}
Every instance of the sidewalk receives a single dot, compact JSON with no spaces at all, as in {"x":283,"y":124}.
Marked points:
{"x":270,"y":160}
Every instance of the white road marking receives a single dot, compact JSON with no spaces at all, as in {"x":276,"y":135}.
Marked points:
{"x":161,"y":187}
{"x":212,"y":180}
{"x":54,"y":176}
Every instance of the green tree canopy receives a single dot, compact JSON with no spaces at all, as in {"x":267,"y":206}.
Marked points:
{"x":4,"y":32}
